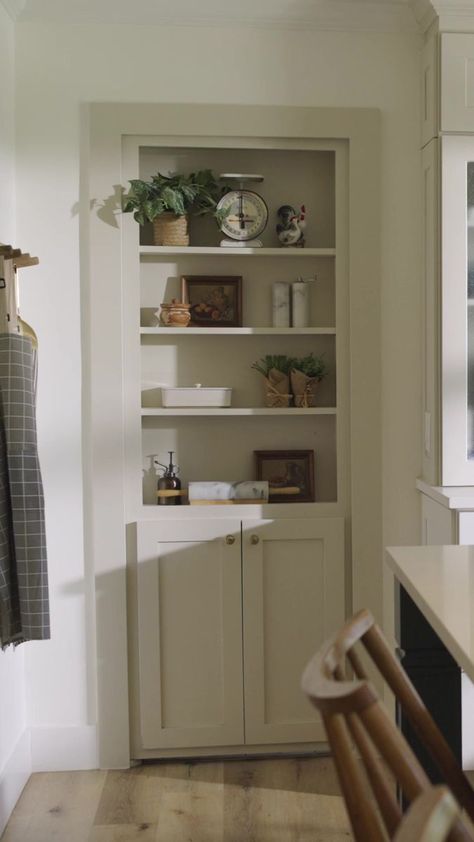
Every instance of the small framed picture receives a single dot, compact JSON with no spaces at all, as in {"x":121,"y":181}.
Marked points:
{"x":215,"y":300}
{"x":290,"y":474}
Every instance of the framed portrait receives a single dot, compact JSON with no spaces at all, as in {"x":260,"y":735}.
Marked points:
{"x":215,"y":300}
{"x":290,"y":474}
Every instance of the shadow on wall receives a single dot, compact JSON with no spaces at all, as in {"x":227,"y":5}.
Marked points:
{"x":107,"y":209}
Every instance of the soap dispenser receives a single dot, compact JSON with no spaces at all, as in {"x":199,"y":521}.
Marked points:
{"x":169,"y":486}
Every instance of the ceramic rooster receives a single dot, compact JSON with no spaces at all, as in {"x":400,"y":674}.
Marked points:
{"x":290,"y":228}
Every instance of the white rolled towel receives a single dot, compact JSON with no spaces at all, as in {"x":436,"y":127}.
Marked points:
{"x":247,"y":490}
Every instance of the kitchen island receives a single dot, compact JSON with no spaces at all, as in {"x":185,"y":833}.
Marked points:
{"x":435,"y":628}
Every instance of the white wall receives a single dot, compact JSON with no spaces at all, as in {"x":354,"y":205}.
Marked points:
{"x":14,"y":749}
{"x":60,"y":67}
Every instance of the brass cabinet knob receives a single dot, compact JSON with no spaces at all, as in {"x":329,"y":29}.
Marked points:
{"x":254,"y":539}
{"x":230,"y":539}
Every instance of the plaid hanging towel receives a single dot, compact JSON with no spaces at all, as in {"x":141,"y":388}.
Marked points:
{"x":24,"y":603}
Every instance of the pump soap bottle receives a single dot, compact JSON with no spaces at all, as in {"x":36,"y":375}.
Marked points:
{"x":169,"y":486}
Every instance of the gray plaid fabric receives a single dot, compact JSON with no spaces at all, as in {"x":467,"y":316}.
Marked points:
{"x":24,"y":604}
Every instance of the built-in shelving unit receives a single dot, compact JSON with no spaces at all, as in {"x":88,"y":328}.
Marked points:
{"x":219,"y":443}
{"x":189,"y":590}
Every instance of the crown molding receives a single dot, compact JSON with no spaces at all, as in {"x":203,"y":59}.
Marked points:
{"x":342,"y":15}
{"x":13,"y":7}
{"x":454,"y":15}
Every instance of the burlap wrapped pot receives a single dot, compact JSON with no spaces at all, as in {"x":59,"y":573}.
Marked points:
{"x":304,"y":388}
{"x":277,"y":389}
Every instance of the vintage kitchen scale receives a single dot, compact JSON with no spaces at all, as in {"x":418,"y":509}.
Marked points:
{"x":246,"y":213}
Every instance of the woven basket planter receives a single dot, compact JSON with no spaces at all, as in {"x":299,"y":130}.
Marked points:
{"x":170,"y":230}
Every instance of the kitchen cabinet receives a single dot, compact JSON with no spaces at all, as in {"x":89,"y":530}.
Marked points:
{"x":457,"y":82}
{"x":448,"y":320}
{"x":457,"y":310}
{"x":293,"y":599}
{"x":190,"y":634}
{"x":447,"y":482}
{"x":448,"y":518}
{"x":228,"y":613}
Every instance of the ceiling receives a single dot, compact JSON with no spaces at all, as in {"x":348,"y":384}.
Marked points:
{"x":375,"y":15}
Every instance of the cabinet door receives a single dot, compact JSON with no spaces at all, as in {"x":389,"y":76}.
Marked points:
{"x":293,"y":583}
{"x":457,"y":325}
{"x":437,"y":522}
{"x":457,"y":82}
{"x":190,"y":633}
{"x":430,"y":315}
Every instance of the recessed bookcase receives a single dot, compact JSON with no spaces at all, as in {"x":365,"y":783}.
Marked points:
{"x":343,"y":203}
{"x":219,"y":444}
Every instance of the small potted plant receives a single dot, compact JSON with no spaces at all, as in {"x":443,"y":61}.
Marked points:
{"x":276,"y":372}
{"x":306,"y":373}
{"x":167,"y":200}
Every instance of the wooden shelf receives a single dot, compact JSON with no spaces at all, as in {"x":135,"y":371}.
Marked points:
{"x":157,"y":251}
{"x":238,"y":331}
{"x":151,"y":511}
{"x":231,"y":411}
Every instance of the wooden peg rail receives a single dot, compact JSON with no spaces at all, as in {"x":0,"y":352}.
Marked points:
{"x":20,"y":259}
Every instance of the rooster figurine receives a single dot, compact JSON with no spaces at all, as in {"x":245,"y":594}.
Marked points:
{"x":290,"y":228}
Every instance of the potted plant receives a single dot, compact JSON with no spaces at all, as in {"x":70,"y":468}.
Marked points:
{"x":167,"y":200}
{"x":306,"y":373}
{"x":275,"y":369}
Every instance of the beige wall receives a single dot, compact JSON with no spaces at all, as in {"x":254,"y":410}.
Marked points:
{"x":7,"y":126}
{"x":12,"y":679}
{"x":60,"y":67}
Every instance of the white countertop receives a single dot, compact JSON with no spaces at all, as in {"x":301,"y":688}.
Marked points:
{"x":450,"y":496}
{"x":440,"y":580}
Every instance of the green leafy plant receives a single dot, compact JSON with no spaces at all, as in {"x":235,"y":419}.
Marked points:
{"x":278,"y":361}
{"x":196,"y":193}
{"x":312,"y":366}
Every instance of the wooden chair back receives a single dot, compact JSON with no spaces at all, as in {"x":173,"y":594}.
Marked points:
{"x":353,"y":714}
{"x":430,"y":818}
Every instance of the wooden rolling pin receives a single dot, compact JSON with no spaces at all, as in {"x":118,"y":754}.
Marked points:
{"x":171,"y":492}
{"x":292,"y":490}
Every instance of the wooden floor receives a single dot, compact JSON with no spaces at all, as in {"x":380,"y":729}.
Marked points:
{"x":291,"y":800}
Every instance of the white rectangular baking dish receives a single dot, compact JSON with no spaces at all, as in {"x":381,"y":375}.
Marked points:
{"x":206,"y":396}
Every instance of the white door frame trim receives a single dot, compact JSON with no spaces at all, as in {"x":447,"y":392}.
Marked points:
{"x":104,"y":126}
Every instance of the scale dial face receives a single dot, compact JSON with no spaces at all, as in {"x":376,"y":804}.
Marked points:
{"x":247,"y":214}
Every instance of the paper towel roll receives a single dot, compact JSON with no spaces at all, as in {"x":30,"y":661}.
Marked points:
{"x":300,"y":304}
{"x":281,"y":304}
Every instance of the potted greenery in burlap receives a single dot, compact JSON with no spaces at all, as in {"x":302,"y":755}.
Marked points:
{"x":167,"y":200}
{"x":306,"y":374}
{"x":275,"y":369}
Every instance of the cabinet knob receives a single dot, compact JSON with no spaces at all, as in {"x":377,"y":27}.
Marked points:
{"x":254,"y":539}
{"x":230,"y":539}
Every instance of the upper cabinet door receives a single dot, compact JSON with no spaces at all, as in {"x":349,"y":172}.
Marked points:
{"x":430,"y":90}
{"x":190,"y":633}
{"x":457,"y":82}
{"x":430,"y":329}
{"x":293,"y":575}
{"x":457,"y":311}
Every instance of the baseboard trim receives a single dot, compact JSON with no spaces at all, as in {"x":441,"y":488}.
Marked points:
{"x":63,"y":749}
{"x":14,"y":776}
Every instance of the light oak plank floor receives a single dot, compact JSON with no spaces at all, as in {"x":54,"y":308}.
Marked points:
{"x":289,"y":800}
